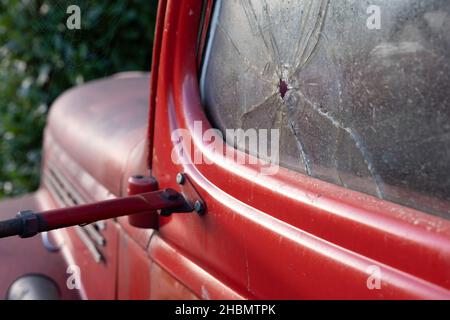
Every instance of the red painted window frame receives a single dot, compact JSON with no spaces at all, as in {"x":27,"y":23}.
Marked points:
{"x":413,"y":247}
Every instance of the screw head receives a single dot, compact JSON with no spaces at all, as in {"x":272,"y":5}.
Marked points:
{"x":181,"y":179}
{"x":199,"y":207}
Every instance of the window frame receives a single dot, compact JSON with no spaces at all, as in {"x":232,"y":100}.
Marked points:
{"x":378,"y":230}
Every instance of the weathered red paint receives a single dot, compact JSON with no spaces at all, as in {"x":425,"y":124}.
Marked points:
{"x":159,"y":32}
{"x":99,"y":173}
{"x":282,"y":236}
{"x":310,"y":238}
{"x":138,"y":185}
{"x":134,"y":279}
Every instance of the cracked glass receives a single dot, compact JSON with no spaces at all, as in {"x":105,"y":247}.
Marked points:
{"x":359,"y":92}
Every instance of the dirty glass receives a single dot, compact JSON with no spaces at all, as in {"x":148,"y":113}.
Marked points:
{"x":359,"y":91}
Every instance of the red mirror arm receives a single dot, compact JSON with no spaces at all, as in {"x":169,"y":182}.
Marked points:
{"x":29,"y":223}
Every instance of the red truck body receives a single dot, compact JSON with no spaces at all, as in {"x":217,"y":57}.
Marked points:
{"x":284,"y":236}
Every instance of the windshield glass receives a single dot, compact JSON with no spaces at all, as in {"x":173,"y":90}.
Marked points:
{"x":359,"y":92}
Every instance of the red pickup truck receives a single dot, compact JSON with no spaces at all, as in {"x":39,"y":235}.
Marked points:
{"x":349,"y":200}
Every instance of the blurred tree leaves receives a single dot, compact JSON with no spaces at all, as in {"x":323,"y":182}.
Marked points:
{"x":40,"y":58}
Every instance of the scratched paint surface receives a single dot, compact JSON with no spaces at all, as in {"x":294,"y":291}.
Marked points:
{"x":365,"y":109}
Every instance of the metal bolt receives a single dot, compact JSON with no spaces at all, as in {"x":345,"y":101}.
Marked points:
{"x":181,"y":179}
{"x":199,"y":207}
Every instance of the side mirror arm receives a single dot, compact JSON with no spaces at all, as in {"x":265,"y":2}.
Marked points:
{"x":28,"y":223}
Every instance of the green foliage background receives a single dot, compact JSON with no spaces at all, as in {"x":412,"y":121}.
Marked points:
{"x":40,"y":58}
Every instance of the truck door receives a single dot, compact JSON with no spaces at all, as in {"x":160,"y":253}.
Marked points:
{"x":332,"y":178}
